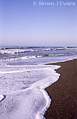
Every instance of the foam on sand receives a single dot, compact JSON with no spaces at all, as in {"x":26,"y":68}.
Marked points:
{"x":24,"y":88}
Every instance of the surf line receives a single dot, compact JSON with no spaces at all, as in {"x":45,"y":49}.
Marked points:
{"x":40,"y":114}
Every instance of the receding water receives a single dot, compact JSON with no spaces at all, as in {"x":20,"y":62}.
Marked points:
{"x":29,"y":102}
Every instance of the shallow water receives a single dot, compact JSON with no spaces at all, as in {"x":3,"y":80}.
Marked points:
{"x":29,"y":102}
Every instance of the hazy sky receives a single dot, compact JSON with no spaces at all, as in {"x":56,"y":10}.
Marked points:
{"x":36,"y":23}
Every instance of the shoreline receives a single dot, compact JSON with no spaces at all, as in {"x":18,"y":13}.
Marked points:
{"x":49,"y":76}
{"x":63,"y":93}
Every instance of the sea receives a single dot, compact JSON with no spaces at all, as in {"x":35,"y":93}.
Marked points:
{"x":36,"y":55}
{"x":24,"y":76}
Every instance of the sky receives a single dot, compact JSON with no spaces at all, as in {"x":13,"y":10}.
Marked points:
{"x":38,"y":22}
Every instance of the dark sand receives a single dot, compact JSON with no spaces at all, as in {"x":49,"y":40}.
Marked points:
{"x":64,"y":93}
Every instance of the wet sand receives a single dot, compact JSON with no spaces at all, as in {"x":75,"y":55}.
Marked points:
{"x":64,"y":93}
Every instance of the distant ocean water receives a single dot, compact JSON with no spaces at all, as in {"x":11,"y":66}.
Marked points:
{"x":36,"y":55}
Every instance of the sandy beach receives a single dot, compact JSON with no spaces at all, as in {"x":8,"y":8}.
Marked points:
{"x":64,"y":93}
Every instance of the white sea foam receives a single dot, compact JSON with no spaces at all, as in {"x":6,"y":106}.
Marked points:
{"x":13,"y":51}
{"x":1,"y":97}
{"x":27,"y":57}
{"x":33,"y":60}
{"x":24,"y":89}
